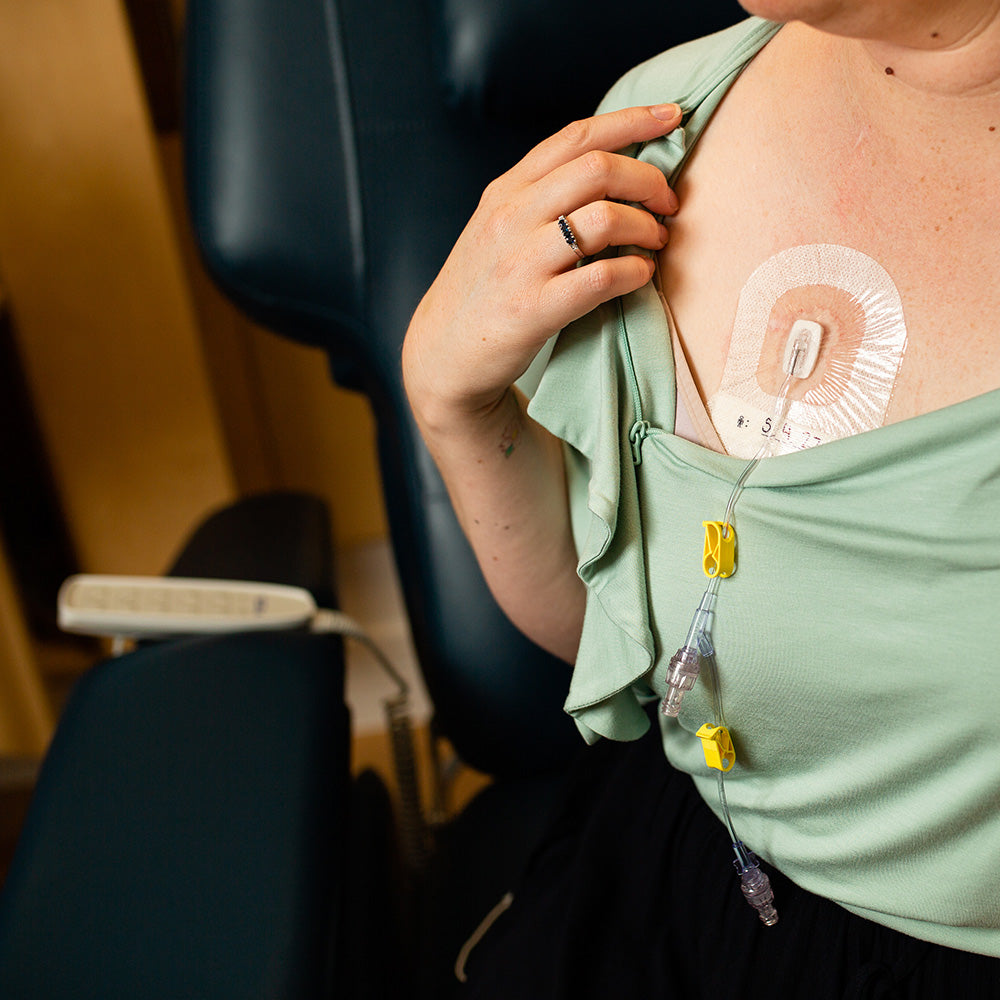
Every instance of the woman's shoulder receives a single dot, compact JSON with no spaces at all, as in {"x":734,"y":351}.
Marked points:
{"x":682,"y":73}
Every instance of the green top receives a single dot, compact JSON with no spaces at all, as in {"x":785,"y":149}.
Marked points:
{"x":856,"y":642}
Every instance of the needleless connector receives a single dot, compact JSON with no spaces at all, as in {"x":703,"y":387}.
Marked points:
{"x":681,"y":675}
{"x":686,"y":662}
{"x":755,"y":884}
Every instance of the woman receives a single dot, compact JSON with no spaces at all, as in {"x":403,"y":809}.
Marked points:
{"x":838,"y":173}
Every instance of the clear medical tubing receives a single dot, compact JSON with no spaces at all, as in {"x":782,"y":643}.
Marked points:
{"x":685,"y":664}
{"x":754,"y":883}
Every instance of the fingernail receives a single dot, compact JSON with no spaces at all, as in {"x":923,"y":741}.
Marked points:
{"x":665,"y":112}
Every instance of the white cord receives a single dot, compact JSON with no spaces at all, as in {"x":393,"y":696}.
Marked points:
{"x":328,"y":621}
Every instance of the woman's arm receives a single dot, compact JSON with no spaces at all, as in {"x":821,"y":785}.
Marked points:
{"x":510,"y":283}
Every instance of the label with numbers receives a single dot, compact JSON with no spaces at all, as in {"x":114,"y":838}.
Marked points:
{"x":744,"y":427}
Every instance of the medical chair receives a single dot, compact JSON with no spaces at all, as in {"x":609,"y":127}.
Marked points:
{"x":190,"y":827}
{"x":334,"y":150}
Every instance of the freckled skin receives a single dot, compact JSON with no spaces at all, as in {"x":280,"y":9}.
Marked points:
{"x":866,"y":166}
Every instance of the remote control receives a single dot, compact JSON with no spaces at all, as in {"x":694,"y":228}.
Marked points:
{"x":150,"y":607}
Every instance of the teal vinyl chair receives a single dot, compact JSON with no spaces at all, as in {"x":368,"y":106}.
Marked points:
{"x":190,"y":830}
{"x":186,"y":832}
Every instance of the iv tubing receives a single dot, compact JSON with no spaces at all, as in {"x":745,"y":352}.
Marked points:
{"x":754,"y":883}
{"x":780,"y":411}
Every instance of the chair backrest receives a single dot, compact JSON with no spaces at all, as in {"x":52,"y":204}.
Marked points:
{"x":335,"y":149}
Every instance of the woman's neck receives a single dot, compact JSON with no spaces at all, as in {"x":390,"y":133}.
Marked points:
{"x":935,"y":63}
{"x":949,"y":89}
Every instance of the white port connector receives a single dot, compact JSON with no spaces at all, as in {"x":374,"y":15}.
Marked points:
{"x":802,"y":348}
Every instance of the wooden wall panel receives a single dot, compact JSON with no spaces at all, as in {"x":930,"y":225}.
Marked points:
{"x":156,"y":400}
{"x":98,"y":290}
{"x":323,"y":436}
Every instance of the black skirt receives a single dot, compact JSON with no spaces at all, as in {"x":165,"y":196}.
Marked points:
{"x":633,"y":894}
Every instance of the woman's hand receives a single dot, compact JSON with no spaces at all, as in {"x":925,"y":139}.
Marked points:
{"x":512,"y":280}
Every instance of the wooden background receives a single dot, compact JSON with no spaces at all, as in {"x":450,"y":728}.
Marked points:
{"x":149,"y":401}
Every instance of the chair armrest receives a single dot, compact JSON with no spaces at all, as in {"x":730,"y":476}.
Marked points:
{"x":188,"y":831}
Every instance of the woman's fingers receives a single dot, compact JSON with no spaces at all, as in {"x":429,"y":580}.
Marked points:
{"x":511,"y":280}
{"x":607,"y":132}
{"x":598,"y":176}
{"x":581,"y":178}
{"x":576,"y":292}
{"x":594,"y":228}
{"x":578,"y":167}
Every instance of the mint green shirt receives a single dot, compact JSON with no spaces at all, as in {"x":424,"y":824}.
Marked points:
{"x":858,"y":641}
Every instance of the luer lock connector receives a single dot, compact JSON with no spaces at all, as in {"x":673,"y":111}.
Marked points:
{"x":756,"y":886}
{"x":681,"y":675}
{"x":684,"y":665}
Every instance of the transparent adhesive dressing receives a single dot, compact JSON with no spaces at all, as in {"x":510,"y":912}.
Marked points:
{"x":853,"y":374}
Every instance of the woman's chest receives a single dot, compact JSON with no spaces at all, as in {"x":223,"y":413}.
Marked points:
{"x":913,"y":235}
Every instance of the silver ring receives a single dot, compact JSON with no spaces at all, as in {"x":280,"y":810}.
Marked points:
{"x":569,"y":236}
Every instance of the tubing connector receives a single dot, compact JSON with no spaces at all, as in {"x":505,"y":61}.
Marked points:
{"x":686,"y":662}
{"x":681,"y":675}
{"x":756,"y":886}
